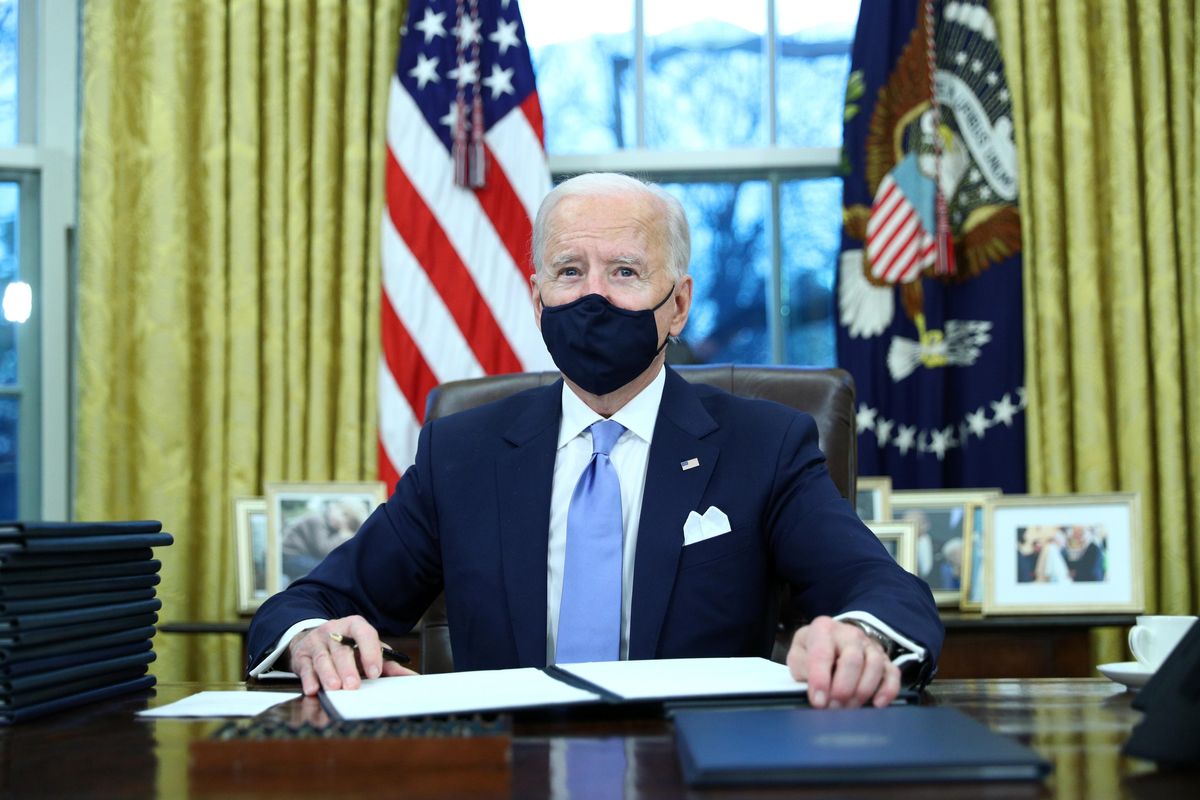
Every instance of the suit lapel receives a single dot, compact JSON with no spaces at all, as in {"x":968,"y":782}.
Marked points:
{"x":670,"y":493}
{"x":524,"y":477}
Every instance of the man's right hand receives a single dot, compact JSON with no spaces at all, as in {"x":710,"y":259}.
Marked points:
{"x":323,"y":663}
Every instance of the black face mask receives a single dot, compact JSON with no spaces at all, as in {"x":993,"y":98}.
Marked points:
{"x":599,"y":346}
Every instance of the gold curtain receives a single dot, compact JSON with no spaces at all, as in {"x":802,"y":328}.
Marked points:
{"x":1108,"y":131}
{"x":230,"y":199}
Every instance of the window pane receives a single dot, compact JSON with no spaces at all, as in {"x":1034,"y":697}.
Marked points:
{"x":704,"y":74}
{"x":730,"y":267}
{"x":814,"y":63}
{"x":810,"y":222}
{"x":578,"y":75}
{"x":8,"y":72}
{"x":10,"y":421}
{"x":10,"y":270}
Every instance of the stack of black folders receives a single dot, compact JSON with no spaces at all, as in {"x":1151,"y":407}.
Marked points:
{"x":77,"y":613}
{"x":745,"y":747}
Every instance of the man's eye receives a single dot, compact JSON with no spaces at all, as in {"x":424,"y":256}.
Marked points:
{"x":625,"y":272}
{"x":568,"y":272}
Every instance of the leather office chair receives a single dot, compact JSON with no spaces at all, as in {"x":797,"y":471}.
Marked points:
{"x":826,"y":394}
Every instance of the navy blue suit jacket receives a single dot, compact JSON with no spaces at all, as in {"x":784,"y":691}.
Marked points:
{"x":472,"y":517}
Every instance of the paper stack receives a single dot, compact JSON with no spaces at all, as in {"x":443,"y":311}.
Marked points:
{"x":77,"y":613}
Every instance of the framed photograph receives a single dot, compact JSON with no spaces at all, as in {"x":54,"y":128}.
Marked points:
{"x":900,"y":539}
{"x":974,"y":576}
{"x":250,"y":532}
{"x":943,"y":519}
{"x":1063,"y":554}
{"x":306,"y":521}
{"x":873,"y":498}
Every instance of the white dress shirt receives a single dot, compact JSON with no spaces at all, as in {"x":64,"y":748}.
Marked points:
{"x":629,"y":457}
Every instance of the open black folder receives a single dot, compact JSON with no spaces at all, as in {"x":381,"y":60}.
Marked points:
{"x":742,"y":747}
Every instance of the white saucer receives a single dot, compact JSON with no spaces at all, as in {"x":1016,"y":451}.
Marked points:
{"x":1130,"y":673}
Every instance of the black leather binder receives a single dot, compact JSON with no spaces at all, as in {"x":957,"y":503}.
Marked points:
{"x":81,"y":543}
{"x":8,"y":717}
{"x":82,"y":571}
{"x":78,"y":657}
{"x":43,"y":694}
{"x":18,"y":639}
{"x":24,"y":528}
{"x":16,"y":685}
{"x":869,"y":745}
{"x":34,"y":605}
{"x":21,"y":653}
{"x":14,"y":560}
{"x":72,"y":616}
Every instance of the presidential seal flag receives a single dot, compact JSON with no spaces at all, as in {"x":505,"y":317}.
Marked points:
{"x":929,"y":282}
{"x":466,"y":171}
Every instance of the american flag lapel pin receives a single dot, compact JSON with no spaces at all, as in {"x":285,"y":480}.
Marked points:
{"x":691,"y":463}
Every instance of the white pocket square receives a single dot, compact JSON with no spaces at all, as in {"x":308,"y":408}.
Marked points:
{"x":698,"y":528}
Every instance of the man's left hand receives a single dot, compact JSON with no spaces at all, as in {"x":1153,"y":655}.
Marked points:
{"x":844,"y":667}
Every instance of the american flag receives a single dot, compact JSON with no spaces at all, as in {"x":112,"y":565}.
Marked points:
{"x":466,"y":170}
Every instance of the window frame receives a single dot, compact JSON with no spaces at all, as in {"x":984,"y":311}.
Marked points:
{"x":771,"y":164}
{"x":44,"y":164}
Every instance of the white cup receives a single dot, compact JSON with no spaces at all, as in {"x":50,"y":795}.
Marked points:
{"x":1154,"y":637}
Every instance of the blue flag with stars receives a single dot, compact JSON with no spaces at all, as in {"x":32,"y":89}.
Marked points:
{"x":929,"y":280}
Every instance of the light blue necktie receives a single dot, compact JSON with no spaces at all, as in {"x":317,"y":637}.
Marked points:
{"x":589,"y":617}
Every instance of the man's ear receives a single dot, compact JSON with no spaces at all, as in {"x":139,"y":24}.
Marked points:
{"x":537,"y":300}
{"x":682,"y":305}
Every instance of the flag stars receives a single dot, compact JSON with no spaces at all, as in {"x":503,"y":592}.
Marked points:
{"x":960,"y":58}
{"x":865,"y":418}
{"x":977,"y":422}
{"x":500,"y":81}
{"x":432,"y":25}
{"x":505,"y":35}
{"x":425,"y":71}
{"x":977,"y":66}
{"x":467,"y":31}
{"x":450,"y":120}
{"x":906,"y":438}
{"x":940,"y":441}
{"x":883,"y":431}
{"x":1003,"y":95}
{"x":466,"y":73}
{"x":1004,"y":410}
{"x":992,"y":78}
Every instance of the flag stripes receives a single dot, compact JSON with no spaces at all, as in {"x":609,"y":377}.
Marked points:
{"x":456,"y":296}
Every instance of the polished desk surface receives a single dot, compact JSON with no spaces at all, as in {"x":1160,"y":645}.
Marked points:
{"x":104,"y":751}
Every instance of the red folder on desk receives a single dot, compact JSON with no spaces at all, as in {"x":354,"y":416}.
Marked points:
{"x":867,"y":745}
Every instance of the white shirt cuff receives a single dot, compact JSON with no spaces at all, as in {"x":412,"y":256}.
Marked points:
{"x":910,"y":651}
{"x":291,"y":633}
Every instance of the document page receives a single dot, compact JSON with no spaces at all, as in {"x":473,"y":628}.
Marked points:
{"x":220,"y":704}
{"x":673,"y":678}
{"x":454,"y":693}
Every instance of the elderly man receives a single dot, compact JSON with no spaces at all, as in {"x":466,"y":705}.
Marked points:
{"x":620,"y":513}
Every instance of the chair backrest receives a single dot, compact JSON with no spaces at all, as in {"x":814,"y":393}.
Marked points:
{"x":826,"y":394}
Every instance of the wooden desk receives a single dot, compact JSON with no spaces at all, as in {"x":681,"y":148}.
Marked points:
{"x":104,"y":751}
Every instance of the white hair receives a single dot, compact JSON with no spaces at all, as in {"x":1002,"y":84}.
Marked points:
{"x":603,"y":184}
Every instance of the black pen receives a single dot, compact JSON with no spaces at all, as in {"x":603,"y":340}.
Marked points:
{"x":390,"y":653}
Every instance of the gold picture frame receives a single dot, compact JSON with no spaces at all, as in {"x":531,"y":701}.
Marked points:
{"x":943,"y":518}
{"x":1064,"y":554}
{"x":251,"y":538}
{"x":873,"y":498}
{"x":900,"y":539}
{"x":306,"y":521}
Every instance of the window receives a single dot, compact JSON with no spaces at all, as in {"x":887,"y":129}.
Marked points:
{"x":736,"y":108}
{"x":38,"y":62}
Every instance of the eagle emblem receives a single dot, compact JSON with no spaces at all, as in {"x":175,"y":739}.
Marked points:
{"x":943,"y":180}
